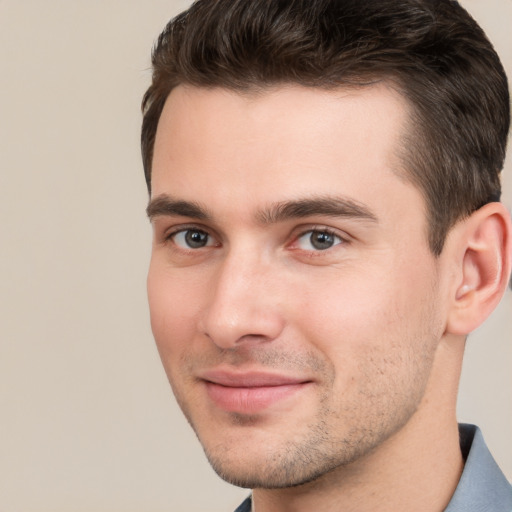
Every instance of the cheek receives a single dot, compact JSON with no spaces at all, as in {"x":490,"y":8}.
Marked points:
{"x":173,"y":310}
{"x":343,"y":311}
{"x":359,"y":317}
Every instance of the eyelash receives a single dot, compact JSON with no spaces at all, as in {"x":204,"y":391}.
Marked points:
{"x":170,"y":236}
{"x":324,"y":231}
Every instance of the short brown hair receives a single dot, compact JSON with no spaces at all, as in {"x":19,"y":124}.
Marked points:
{"x":431,"y":51}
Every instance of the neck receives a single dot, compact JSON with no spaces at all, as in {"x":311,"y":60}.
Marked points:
{"x":417,"y":468}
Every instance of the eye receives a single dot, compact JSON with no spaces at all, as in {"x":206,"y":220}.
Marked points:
{"x":318,"y":240}
{"x":192,"y":239}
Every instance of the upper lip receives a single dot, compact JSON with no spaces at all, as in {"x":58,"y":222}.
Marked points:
{"x":250,"y":379}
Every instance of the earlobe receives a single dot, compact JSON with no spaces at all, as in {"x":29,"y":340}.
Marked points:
{"x":485,"y":257}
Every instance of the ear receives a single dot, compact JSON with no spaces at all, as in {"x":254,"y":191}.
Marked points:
{"x":483,"y":248}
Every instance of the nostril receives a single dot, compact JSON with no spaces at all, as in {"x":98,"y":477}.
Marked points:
{"x":242,"y":329}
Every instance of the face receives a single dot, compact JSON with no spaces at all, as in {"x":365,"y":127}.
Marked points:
{"x":293,"y":296}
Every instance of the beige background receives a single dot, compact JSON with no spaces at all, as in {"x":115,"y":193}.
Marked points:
{"x":87,"y":419}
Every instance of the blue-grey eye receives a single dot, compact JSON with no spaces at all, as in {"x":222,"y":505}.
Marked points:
{"x":317,"y":240}
{"x":192,"y":239}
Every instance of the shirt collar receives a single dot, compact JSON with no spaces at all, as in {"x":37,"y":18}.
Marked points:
{"x":482,"y":486}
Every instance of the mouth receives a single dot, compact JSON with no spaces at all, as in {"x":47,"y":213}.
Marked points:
{"x":250,"y":392}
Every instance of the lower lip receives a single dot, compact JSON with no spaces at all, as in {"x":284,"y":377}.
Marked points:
{"x":250,"y":400}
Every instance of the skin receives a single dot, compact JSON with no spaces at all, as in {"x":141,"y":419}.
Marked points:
{"x":359,"y":325}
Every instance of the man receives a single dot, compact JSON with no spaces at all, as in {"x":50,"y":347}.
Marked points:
{"x":324,"y":182}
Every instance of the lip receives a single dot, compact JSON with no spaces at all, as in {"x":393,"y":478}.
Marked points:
{"x":250,"y":392}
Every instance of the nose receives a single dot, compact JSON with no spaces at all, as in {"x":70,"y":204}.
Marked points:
{"x":244,"y":306}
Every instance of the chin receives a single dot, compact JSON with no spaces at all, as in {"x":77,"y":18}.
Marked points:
{"x":265,"y":465}
{"x":274,"y":471}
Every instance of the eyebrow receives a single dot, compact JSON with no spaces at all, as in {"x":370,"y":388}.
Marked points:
{"x":324,"y":205}
{"x":165,"y":205}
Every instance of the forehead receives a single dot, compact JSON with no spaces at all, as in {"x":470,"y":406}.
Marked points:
{"x":221,"y":146}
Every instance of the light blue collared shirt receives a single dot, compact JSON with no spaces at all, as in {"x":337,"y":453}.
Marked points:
{"x":482,"y":486}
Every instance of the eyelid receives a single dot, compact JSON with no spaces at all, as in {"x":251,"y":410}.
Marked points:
{"x":304,"y":230}
{"x":169,"y":233}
